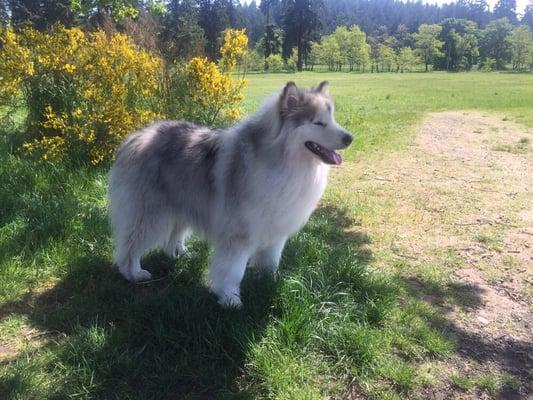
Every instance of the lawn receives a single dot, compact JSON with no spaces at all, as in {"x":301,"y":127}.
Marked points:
{"x":337,"y":323}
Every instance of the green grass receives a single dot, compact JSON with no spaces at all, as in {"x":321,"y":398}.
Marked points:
{"x":382,"y":109}
{"x":329,"y":325}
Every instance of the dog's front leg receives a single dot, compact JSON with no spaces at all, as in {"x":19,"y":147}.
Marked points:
{"x":267,"y":259}
{"x":226,"y":273}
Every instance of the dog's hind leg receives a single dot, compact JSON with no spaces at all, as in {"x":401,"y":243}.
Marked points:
{"x":133,"y":238}
{"x":226,"y":273}
{"x":132,"y":271}
{"x":176,"y":242}
{"x":267,"y":259}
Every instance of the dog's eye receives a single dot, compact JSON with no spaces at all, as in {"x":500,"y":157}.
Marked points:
{"x":319,"y":123}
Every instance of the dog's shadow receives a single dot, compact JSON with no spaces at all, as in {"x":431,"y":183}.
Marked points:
{"x":164,"y":339}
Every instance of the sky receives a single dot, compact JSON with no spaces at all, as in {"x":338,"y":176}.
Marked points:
{"x":520,"y":4}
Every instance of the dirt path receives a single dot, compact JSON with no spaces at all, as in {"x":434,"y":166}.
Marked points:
{"x":454,"y":215}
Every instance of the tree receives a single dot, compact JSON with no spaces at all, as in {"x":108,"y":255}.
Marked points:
{"x":4,"y":15}
{"x":181,"y":36}
{"x":521,"y":41}
{"x":353,"y":46}
{"x":428,"y":46}
{"x":272,"y":40}
{"x":97,"y":10}
{"x":476,"y":10}
{"x":494,"y":42}
{"x":460,"y":48}
{"x":406,"y":59}
{"x":386,"y":58}
{"x":527,"y":18}
{"x":330,"y":52}
{"x":506,"y":9}
{"x":300,"y":23}
{"x":41,"y":14}
{"x":315,"y":55}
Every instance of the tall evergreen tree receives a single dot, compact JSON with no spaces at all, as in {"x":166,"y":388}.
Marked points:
{"x":527,"y":18}
{"x":301,"y":23}
{"x":213,"y":18}
{"x":181,"y":35}
{"x":4,"y":15}
{"x":506,"y":9}
{"x":41,"y":14}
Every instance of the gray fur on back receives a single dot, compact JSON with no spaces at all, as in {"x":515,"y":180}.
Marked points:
{"x":161,"y":162}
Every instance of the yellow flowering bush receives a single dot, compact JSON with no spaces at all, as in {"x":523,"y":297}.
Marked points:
{"x":15,"y":65}
{"x":83,"y":91}
{"x":204,"y":92}
{"x":234,"y":48}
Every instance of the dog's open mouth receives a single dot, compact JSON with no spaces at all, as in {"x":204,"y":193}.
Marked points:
{"x":328,"y":156}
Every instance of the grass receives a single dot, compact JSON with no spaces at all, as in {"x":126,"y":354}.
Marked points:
{"x":330,"y":326}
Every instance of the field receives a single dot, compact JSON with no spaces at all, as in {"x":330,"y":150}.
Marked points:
{"x":412,"y":279}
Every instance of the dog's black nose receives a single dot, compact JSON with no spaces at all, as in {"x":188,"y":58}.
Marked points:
{"x":347,"y":139}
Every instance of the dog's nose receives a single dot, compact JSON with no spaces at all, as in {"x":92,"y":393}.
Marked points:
{"x":347,"y":139}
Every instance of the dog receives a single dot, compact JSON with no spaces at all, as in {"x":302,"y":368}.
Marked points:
{"x":245,"y":189}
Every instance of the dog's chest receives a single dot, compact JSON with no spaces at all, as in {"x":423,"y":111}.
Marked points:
{"x":287,"y":199}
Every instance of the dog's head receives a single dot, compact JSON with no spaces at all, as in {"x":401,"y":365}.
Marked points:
{"x":308,"y":117}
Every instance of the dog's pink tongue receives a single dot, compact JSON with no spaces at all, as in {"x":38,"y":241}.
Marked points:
{"x":337,"y":160}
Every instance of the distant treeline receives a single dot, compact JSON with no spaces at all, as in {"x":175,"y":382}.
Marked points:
{"x":301,"y":33}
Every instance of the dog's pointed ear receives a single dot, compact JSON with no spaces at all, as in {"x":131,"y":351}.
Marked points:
{"x":289,"y":96}
{"x":323,"y":88}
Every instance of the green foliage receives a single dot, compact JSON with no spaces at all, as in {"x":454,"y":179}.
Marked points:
{"x":407,"y":59}
{"x":345,"y":46}
{"x":521,"y":41}
{"x":487,"y":64}
{"x":182,"y":37}
{"x":428,"y":46}
{"x":272,"y":40}
{"x":292,"y":61}
{"x":330,"y":52}
{"x":274,"y":63}
{"x":253,"y":61}
{"x":118,"y":9}
{"x":460,"y":45}
{"x":494,"y":42}
{"x":386,"y":58}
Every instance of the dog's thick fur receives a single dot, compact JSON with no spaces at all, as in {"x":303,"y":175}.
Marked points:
{"x":246,"y":189}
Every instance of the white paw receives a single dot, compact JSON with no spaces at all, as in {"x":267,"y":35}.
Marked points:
{"x":180,"y":250}
{"x":176,"y":250}
{"x":267,"y":267}
{"x":135,"y":276}
{"x":229,"y":298}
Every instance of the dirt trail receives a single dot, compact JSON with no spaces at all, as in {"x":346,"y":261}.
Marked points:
{"x":457,"y":220}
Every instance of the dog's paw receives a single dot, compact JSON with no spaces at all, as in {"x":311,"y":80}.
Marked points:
{"x":135,"y":276}
{"x":228,"y":298}
{"x":141,"y":275}
{"x":230,"y":301}
{"x":176,"y":250}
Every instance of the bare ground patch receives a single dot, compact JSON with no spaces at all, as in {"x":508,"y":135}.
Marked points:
{"x":453,"y":215}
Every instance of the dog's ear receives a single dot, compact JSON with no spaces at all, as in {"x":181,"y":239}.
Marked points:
{"x":289,"y":97}
{"x":323,"y":88}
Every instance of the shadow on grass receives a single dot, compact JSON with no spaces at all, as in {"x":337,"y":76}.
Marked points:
{"x":101,"y":337}
{"x":503,"y":354}
{"x":105,"y":338}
